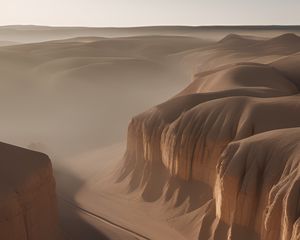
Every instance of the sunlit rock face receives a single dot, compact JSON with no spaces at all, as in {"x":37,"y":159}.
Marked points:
{"x":235,"y":130}
{"x":27,"y":199}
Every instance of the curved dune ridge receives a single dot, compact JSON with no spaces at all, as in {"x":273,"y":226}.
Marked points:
{"x":228,"y":146}
{"x":28,"y":208}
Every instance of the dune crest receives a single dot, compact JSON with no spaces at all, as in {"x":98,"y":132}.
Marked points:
{"x":234,"y":133}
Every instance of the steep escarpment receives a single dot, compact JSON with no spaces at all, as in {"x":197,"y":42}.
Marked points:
{"x":258,"y":185}
{"x":228,"y":146}
{"x":27,"y":197}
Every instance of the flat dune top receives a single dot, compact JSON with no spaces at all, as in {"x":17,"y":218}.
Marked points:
{"x":215,"y":158}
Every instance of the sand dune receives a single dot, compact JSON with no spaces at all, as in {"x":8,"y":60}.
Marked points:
{"x":243,"y":76}
{"x":284,"y":44}
{"x":7,"y":43}
{"x":204,"y":164}
{"x":235,"y":48}
{"x":60,"y":96}
{"x":75,"y":79}
{"x":42,"y":33}
{"x":288,"y":66}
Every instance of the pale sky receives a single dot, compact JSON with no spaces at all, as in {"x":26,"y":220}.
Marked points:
{"x":106,"y":13}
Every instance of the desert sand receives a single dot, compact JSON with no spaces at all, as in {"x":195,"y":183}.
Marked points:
{"x":215,"y":158}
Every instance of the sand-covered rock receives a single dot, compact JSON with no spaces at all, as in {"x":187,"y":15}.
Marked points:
{"x":27,"y":198}
{"x":235,"y":130}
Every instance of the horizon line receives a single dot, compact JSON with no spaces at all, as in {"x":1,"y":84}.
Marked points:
{"x":149,"y":26}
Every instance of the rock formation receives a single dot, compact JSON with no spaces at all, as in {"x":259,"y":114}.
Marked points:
{"x":28,"y":201}
{"x":234,"y":132}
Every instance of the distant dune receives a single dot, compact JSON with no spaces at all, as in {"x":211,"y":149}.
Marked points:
{"x":29,"y":33}
{"x":7,"y":43}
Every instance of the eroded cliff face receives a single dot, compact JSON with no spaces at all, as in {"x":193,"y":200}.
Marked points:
{"x":27,"y":198}
{"x":229,"y":144}
{"x":257,"y":185}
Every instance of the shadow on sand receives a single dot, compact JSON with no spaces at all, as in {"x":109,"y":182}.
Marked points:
{"x":73,"y":225}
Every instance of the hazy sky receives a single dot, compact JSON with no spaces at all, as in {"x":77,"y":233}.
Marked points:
{"x":148,"y":12}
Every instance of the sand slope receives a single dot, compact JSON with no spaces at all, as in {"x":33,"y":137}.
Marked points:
{"x":74,"y":84}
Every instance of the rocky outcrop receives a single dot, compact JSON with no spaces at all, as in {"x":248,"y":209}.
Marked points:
{"x":235,"y":133}
{"x":27,"y":196}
